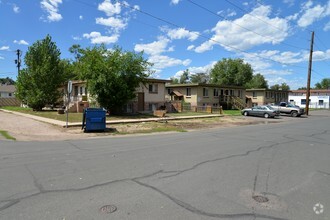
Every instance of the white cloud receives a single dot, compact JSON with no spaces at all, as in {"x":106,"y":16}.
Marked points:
{"x":97,"y":38}
{"x":109,"y":8}
{"x":2,"y":58}
{"x":190,"y":47}
{"x":321,"y":55}
{"x":76,"y":38}
{"x":232,"y":36}
{"x":51,"y":8}
{"x":327,"y":26}
{"x":21,"y":42}
{"x":162,"y":61}
{"x":197,"y":69}
{"x":181,"y":33}
{"x":16,"y":9}
{"x":115,"y":23}
{"x":81,"y":17}
{"x":311,"y":13}
{"x":227,"y":13}
{"x":289,"y":2}
{"x":156,"y":47}
{"x":175,"y":2}
{"x":4,"y":48}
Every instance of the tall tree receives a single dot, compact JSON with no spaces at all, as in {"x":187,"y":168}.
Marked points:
{"x":231,"y":72}
{"x":112,"y":76}
{"x":283,"y":86}
{"x":257,"y":81}
{"x":7,"y":81}
{"x":184,"y":77}
{"x":324,"y":84}
{"x":38,"y":84}
{"x":175,"y":80}
{"x":200,"y":78}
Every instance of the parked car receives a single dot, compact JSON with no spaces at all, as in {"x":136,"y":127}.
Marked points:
{"x":288,"y":108}
{"x":264,"y":111}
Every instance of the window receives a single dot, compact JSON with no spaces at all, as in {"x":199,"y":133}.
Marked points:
{"x":152,"y":106}
{"x":267,"y":96}
{"x":215,"y":104}
{"x":75,"y":90}
{"x":205,"y":92}
{"x":254,"y":94}
{"x":303,"y":101}
{"x":153,"y":88}
{"x":231,"y":92}
{"x":169,"y":91}
{"x":320,"y":102}
{"x":81,"y":90}
{"x":9,"y":94}
{"x":239,"y":93}
{"x":221,"y":92}
{"x":216,"y":92}
{"x":188,"y":92}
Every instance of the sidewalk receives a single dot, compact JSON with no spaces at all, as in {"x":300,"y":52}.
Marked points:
{"x":79,"y":124}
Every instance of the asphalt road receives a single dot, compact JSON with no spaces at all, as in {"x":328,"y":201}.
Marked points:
{"x":265,"y":171}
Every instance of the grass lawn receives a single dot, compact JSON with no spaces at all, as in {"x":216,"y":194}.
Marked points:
{"x":232,"y":112}
{"x":77,"y":117}
{"x":6,"y":135}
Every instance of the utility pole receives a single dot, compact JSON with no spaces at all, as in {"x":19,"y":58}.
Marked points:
{"x":18,"y":61}
{"x":309,"y":74}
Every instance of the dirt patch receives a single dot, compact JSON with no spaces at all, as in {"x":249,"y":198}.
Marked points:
{"x":26,"y":129}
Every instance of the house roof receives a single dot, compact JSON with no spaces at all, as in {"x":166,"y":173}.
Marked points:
{"x":267,"y":90}
{"x":149,"y":80}
{"x":312,"y":90}
{"x":7,"y":88}
{"x":177,"y":93}
{"x":202,"y":85}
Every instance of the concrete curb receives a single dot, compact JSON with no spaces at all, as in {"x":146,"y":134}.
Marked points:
{"x":123,"y":121}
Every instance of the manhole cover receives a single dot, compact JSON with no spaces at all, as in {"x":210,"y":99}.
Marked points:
{"x":108,"y":209}
{"x":260,"y":199}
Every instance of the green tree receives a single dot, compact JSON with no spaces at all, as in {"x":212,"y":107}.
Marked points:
{"x":184,"y":77}
{"x":38,"y":84}
{"x":324,"y":84}
{"x":257,"y":81}
{"x":302,"y":88}
{"x":112,"y":75}
{"x":231,"y":72}
{"x":283,"y":86}
{"x":200,"y":78}
{"x":174,"y":80}
{"x":7,"y":81}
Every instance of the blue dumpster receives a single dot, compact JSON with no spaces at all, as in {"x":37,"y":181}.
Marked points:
{"x":94,"y":119}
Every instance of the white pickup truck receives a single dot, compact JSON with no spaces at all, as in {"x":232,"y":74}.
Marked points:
{"x":288,"y":108}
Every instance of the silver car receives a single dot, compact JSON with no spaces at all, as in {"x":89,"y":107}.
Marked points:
{"x":264,"y":111}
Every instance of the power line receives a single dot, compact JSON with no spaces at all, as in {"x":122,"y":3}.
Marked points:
{"x":247,"y":29}
{"x":206,"y":37}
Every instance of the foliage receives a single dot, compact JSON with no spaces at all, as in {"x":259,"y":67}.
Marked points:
{"x":283,"y":86}
{"x":324,"y":84}
{"x":112,"y":75}
{"x":174,"y":80}
{"x":7,"y":81}
{"x":200,"y":78}
{"x":257,"y":81}
{"x":38,"y":84}
{"x":184,"y":77}
{"x":231,"y":72}
{"x":302,"y":88}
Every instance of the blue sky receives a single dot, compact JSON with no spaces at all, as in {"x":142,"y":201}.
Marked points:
{"x":273,"y":36}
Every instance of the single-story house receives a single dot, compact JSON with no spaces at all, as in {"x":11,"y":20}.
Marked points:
{"x":319,"y":98}
{"x":266,"y":96}
{"x":7,"y":96}
{"x":203,"y":94}
{"x":7,"y":91}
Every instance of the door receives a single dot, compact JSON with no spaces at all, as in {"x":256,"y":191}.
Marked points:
{"x":140,"y":101}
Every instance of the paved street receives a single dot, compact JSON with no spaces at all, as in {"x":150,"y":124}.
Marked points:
{"x":265,"y":171}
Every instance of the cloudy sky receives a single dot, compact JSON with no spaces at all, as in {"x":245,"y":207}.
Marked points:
{"x":273,"y":36}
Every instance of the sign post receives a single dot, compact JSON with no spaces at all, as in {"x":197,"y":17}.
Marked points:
{"x":67,"y":105}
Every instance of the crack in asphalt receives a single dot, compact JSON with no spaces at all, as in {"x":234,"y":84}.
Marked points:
{"x":178,"y":172}
{"x":201,"y":212}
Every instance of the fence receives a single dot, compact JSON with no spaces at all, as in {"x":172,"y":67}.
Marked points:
{"x":9,"y":102}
